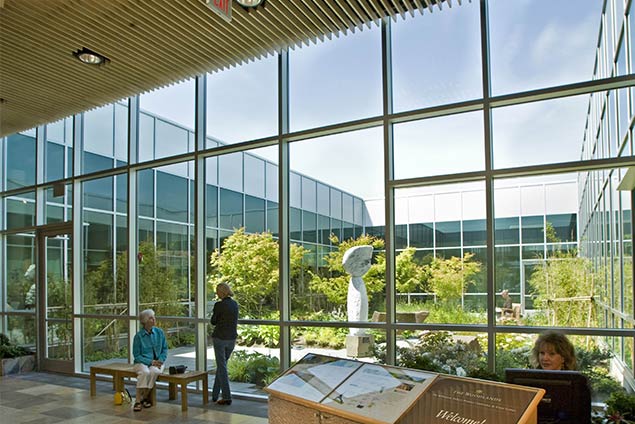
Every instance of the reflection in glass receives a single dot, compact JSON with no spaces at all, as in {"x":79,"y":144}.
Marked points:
{"x":20,"y":161}
{"x":167,"y":121}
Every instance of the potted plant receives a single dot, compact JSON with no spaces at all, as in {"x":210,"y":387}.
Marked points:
{"x":13,"y":358}
{"x":620,"y":409}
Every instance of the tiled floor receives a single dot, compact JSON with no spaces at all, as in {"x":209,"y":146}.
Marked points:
{"x":53,"y":398}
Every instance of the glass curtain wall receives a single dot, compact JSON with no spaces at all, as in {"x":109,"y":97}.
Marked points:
{"x":484,"y":175}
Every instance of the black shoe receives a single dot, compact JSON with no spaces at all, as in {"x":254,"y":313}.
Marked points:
{"x":224,"y":402}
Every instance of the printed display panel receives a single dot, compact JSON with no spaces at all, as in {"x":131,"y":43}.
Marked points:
{"x":314,"y":376}
{"x":379,"y":392}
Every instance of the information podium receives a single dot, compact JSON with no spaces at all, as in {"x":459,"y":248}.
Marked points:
{"x":325,"y":389}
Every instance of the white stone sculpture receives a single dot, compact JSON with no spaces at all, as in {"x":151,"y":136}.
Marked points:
{"x":356,"y":262}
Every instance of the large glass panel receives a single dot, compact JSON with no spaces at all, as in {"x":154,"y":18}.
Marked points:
{"x":421,"y":147}
{"x":446,"y":71}
{"x":167,"y":121}
{"x":247,"y":255}
{"x":531,"y":288}
{"x":542,"y":43}
{"x":59,"y":139}
{"x":20,"y":271}
{"x":336,"y":80}
{"x":58,"y":319}
{"x":540,"y":132}
{"x":105,"y":279}
{"x":20,"y":210}
{"x":449,"y":275}
{"x":172,"y":193}
{"x":20,"y":160}
{"x":21,"y":330}
{"x":354,"y":167}
{"x":104,"y":341}
{"x":99,"y":139}
{"x":164,"y":257}
{"x":256,"y":101}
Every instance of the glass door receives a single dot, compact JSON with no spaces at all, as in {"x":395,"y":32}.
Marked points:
{"x":55,"y":311}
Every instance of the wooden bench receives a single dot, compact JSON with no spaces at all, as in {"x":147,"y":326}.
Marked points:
{"x":411,"y":317}
{"x":121,"y":370}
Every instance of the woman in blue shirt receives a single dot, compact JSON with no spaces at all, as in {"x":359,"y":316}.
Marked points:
{"x":150,"y":350}
{"x":225,"y":322}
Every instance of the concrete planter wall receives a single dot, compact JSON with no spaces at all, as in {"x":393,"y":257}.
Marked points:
{"x":17,"y":365}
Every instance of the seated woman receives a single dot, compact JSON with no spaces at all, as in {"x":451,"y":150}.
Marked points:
{"x":150,"y":350}
{"x":553,"y":351}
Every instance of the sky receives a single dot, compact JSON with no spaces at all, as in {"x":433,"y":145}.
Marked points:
{"x":436,"y":60}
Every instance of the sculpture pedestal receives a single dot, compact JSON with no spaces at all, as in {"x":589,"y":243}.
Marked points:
{"x":359,"y":346}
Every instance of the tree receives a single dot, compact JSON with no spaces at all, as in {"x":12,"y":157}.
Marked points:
{"x":409,"y":275}
{"x":109,"y":287}
{"x":564,"y":286}
{"x":249,"y":263}
{"x":449,"y":278}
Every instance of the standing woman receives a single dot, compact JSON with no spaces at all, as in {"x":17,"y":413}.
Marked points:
{"x":150,"y":349}
{"x":225,"y":320}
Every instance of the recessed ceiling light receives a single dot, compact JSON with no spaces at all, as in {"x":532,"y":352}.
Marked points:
{"x":90,"y":57}
{"x":250,"y":3}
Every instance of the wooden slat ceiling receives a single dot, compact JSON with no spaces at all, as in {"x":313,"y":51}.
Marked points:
{"x":151,"y":44}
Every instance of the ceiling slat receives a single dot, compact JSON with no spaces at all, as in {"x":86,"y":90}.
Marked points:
{"x":151,"y":44}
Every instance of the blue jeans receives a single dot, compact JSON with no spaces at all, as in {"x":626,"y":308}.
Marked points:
{"x":222,"y":350}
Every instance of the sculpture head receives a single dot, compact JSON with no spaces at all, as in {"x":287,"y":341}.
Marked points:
{"x":30,"y":272}
{"x":356,"y":260}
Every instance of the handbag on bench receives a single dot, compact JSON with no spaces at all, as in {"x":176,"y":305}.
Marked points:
{"x":177,"y":369}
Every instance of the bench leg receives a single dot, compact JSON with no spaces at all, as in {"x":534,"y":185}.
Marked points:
{"x":117,"y":382}
{"x":93,"y":383}
{"x":183,"y":397}
{"x":205,"y":390}
{"x":172,"y":391}
{"x":153,"y":395}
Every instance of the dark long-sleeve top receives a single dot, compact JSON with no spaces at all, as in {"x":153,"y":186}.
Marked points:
{"x":149,"y":346}
{"x":225,"y":319}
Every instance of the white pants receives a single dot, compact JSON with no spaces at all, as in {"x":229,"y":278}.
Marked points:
{"x":147,"y":376}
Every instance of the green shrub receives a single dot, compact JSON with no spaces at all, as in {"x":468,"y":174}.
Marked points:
{"x":448,"y":313}
{"x":102,"y":355}
{"x":254,"y":368}
{"x":439,"y":352}
{"x":620,"y":409}
{"x":262,"y":335}
{"x":10,"y":350}
{"x":181,"y":338}
{"x":330,"y":337}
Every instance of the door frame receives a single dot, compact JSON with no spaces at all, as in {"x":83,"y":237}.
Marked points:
{"x":65,"y":366}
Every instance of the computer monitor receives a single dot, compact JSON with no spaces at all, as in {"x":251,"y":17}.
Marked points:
{"x":567,"y":397}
